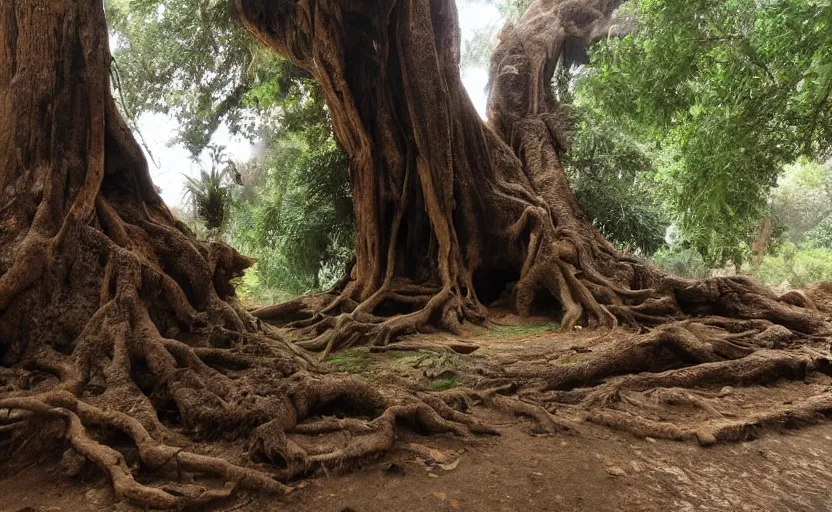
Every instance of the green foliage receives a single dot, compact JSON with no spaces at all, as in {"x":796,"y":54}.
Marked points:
{"x":802,"y":201}
{"x":513,"y":331}
{"x":295,"y":216}
{"x":821,"y":235}
{"x":192,"y":59}
{"x":186,"y":58}
{"x":611,"y":175}
{"x":729,"y":91}
{"x":443,"y":384}
{"x":796,"y":267}
{"x":681,"y":261}
{"x":356,"y":361}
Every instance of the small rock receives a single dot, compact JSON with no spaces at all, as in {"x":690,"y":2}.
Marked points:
{"x":706,"y":438}
{"x":433,"y":475}
{"x":615,"y":471}
{"x":97,"y":496}
{"x":727,"y":390}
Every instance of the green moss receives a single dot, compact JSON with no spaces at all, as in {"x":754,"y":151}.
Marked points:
{"x":513,"y":331}
{"x":356,"y":360}
{"x":442,"y":384}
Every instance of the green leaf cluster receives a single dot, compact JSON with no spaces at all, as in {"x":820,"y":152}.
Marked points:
{"x":728,"y":92}
{"x":295,"y":216}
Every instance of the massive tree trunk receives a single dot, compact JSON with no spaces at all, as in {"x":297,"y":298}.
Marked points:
{"x":450,"y":209}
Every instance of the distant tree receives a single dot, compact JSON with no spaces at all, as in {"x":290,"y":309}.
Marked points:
{"x":191,"y":59}
{"x":802,"y":201}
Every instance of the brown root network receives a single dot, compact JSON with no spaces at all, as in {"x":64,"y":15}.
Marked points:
{"x":214,"y":374}
{"x":119,"y":330}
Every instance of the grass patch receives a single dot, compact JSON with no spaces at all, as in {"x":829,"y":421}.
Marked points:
{"x":512,"y":331}
{"x":356,"y":360}
{"x":443,"y":384}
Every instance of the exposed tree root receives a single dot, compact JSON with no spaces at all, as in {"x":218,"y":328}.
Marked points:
{"x":152,"y":453}
{"x":673,"y":382}
{"x":809,"y":411}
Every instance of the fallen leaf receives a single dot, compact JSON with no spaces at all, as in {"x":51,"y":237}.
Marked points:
{"x":450,"y":466}
{"x":429,"y":453}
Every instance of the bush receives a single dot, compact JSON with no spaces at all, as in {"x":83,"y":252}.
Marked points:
{"x":821,"y":235}
{"x":796,"y":267}
{"x":681,"y":261}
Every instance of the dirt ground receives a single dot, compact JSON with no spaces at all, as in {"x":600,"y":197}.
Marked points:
{"x":591,"y":469}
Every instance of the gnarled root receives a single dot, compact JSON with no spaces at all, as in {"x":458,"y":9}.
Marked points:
{"x":396,"y":309}
{"x":159,"y":356}
{"x":678,"y":381}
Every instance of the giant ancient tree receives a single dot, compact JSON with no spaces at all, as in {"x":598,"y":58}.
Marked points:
{"x":450,"y":209}
{"x":120,"y":333}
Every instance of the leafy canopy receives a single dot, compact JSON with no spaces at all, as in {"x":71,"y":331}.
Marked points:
{"x":729,"y":91}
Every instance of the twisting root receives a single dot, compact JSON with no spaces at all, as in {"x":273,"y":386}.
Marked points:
{"x":158,"y":349}
{"x":465,"y":398}
{"x":635,"y":384}
{"x":152,"y":453}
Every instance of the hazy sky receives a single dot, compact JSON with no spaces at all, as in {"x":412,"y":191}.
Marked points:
{"x":175,"y":161}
